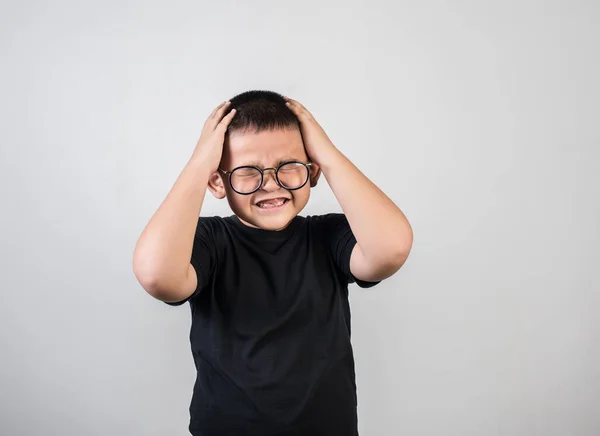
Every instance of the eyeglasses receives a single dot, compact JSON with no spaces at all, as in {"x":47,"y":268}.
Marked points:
{"x":247,"y":179}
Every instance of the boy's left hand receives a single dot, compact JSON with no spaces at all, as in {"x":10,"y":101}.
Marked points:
{"x":316,"y":142}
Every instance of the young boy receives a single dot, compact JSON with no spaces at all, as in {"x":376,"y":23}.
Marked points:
{"x":268,"y":288}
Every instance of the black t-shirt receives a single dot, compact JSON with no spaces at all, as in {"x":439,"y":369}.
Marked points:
{"x":270,"y":332}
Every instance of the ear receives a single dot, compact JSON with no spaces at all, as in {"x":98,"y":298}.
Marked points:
{"x":216,"y":185}
{"x":315,"y":173}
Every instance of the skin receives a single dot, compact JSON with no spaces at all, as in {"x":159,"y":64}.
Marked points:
{"x":265,"y":149}
{"x":383,"y":233}
{"x":162,"y":253}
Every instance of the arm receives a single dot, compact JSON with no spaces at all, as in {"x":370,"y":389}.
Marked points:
{"x":161,"y":259}
{"x":383,"y":234}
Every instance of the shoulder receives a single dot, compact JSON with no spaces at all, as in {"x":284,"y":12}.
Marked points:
{"x":329,"y":222}
{"x":332,"y":218}
{"x":211,"y":220}
{"x":213,"y":228}
{"x":214,"y":223}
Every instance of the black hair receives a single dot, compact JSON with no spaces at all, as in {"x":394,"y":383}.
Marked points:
{"x":261,"y":110}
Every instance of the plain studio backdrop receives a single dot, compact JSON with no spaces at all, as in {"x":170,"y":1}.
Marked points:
{"x":479,"y":119}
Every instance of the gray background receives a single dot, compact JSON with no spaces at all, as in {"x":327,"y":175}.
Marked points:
{"x":479,"y":119}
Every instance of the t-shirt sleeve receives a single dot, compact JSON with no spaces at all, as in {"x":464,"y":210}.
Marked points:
{"x":203,"y":256}
{"x":340,"y":240}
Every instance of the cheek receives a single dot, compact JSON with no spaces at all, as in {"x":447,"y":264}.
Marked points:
{"x":301,"y":195}
{"x":241,"y":201}
{"x":238,"y":202}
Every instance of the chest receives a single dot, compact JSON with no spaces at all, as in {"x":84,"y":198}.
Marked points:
{"x":298,"y":284}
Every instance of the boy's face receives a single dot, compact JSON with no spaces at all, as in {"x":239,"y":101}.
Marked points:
{"x":265,"y":149}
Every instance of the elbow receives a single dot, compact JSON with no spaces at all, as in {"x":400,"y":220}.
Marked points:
{"x":156,"y":287}
{"x":146,"y":279}
{"x":404,"y":246}
{"x":158,"y":284}
{"x":386,"y":266}
{"x":394,"y":263}
{"x":148,"y":276}
{"x":398,"y":255}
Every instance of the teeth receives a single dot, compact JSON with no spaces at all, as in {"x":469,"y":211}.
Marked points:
{"x":271,"y":203}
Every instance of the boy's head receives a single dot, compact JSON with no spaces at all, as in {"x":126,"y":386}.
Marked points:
{"x":264,"y":133}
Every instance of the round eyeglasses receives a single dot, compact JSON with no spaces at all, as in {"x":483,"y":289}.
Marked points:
{"x":247,"y":179}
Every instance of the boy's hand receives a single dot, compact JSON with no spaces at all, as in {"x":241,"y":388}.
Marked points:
{"x":316,"y":142}
{"x":209,"y":148}
{"x":383,"y":234}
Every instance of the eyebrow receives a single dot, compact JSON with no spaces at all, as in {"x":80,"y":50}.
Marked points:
{"x":285,"y":159}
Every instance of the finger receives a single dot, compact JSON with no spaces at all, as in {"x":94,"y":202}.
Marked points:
{"x":220,"y":108}
{"x":214,"y":111}
{"x":218,"y":116}
{"x":298,"y":109}
{"x":294,"y":108}
{"x":226,"y":119}
{"x":210,"y":119}
{"x":294,"y":104}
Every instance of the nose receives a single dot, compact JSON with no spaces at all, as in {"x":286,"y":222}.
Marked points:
{"x":269,"y":181}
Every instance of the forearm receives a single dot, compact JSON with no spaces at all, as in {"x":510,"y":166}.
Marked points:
{"x":382,"y":231}
{"x":163,"y":251}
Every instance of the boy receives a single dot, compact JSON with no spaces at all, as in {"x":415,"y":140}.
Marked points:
{"x":268,"y":289}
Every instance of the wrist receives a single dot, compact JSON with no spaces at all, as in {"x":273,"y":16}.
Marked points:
{"x":329,"y":159}
{"x":200,"y":166}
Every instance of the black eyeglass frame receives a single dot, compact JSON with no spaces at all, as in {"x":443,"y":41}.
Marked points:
{"x":262,"y":175}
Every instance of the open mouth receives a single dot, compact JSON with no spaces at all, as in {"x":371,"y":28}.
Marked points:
{"x":275,"y":203}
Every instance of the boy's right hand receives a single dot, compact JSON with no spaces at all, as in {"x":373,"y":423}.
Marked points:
{"x":209,"y":148}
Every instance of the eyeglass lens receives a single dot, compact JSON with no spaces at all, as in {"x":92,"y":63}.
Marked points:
{"x":291,"y":175}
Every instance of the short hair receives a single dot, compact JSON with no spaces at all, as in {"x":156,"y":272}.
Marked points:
{"x":261,"y":110}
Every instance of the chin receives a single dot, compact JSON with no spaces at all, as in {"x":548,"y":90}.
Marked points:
{"x":273,"y":222}
{"x":270,"y":219}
